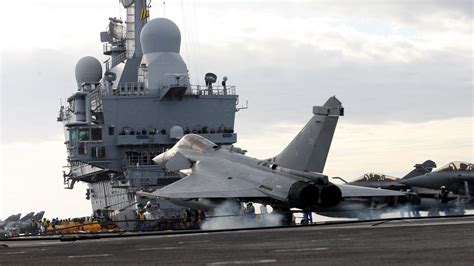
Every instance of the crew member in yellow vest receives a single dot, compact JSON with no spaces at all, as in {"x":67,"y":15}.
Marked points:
{"x":141,"y":221}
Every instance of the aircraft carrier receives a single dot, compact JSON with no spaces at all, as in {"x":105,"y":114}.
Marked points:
{"x":140,"y":102}
{"x":135,"y":105}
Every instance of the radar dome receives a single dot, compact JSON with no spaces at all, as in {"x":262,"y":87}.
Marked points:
{"x":176,"y":132}
{"x":160,"y":35}
{"x":88,"y":70}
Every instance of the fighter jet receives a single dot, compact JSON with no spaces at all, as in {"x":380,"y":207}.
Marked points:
{"x":456,"y":176}
{"x":374,"y":207}
{"x":21,"y":225}
{"x":23,"y":219}
{"x":10,"y":219}
{"x":4,"y":225}
{"x":38,"y":216}
{"x":292,"y":179}
{"x":377,"y":180}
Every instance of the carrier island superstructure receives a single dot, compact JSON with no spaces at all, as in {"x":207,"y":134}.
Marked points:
{"x":139,"y":106}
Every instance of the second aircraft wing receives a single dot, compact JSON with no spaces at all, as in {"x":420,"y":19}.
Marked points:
{"x":349,"y":191}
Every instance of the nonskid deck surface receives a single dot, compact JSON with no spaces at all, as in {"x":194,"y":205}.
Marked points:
{"x":424,"y":241}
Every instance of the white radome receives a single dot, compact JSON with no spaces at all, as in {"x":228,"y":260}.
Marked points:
{"x":160,"y":35}
{"x":88,"y":70}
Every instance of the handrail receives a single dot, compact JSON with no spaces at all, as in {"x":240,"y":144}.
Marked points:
{"x":213,"y":90}
{"x":140,"y":88}
{"x":119,"y":59}
{"x":131,"y":88}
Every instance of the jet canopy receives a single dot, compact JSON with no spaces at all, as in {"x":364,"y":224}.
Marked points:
{"x":456,"y":166}
{"x":375,"y":177}
{"x":196,"y":143}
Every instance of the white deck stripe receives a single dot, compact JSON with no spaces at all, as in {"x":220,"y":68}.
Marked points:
{"x":158,"y":248}
{"x":300,"y":249}
{"x":89,"y":256}
{"x":13,"y":252}
{"x":234,"y":262}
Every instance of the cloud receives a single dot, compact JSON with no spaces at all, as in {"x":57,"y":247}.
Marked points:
{"x":31,"y":180}
{"x":391,"y":147}
{"x":382,"y":65}
{"x":33,"y":82}
{"x":282,"y":86}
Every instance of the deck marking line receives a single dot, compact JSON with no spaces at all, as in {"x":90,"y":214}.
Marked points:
{"x":237,"y":262}
{"x":89,"y":256}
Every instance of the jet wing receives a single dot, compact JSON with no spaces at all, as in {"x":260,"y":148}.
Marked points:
{"x":207,"y":186}
{"x":349,"y":191}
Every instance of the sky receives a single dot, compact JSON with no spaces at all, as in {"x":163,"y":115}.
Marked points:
{"x":402,"y":69}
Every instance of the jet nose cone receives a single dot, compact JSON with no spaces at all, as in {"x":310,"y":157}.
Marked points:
{"x":160,"y":159}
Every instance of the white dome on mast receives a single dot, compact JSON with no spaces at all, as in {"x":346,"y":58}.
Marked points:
{"x":166,"y":69}
{"x":160,"y":35}
{"x":88,"y":70}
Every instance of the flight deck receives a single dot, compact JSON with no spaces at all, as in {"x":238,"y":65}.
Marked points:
{"x":433,"y":241}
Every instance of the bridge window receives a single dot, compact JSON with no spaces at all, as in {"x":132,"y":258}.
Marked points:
{"x":73,"y":137}
{"x":82,"y":148}
{"x":84,"y":134}
{"x":96,"y":133}
{"x":98,"y":152}
{"x":102,"y":152}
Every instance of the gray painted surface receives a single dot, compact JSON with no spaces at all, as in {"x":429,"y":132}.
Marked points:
{"x":88,"y":70}
{"x":309,"y":150}
{"x":442,"y":241}
{"x":455,"y":176}
{"x":218,"y":173}
{"x":115,"y":126}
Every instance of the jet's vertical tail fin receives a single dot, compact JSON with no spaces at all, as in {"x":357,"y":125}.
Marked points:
{"x":38,"y":216}
{"x":421,"y":169}
{"x":13,"y":218}
{"x":309,"y":150}
{"x":27,"y":217}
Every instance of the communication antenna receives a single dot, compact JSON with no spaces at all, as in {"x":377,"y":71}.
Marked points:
{"x":164,"y":9}
{"x":210,"y":78}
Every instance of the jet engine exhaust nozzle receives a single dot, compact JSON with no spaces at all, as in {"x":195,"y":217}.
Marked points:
{"x":303,"y":195}
{"x":331,"y":195}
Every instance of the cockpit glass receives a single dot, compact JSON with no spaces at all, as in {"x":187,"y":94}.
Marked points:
{"x":456,"y":166}
{"x":375,"y":177}
{"x":196,"y":142}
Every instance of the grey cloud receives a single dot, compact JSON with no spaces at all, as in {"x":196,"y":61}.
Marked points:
{"x":281,"y":78}
{"x":32,"y":84}
{"x":465,"y":7}
{"x":283,"y":83}
{"x":413,"y":13}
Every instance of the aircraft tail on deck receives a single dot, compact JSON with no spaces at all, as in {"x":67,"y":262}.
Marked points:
{"x":38,"y":216}
{"x":421,"y":169}
{"x":27,"y":217}
{"x":309,"y":150}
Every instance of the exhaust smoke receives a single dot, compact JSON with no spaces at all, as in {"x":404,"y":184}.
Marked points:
{"x":229,"y":215}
